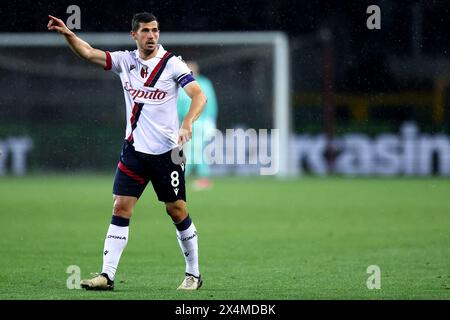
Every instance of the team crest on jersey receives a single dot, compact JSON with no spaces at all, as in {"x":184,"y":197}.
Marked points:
{"x":144,"y":71}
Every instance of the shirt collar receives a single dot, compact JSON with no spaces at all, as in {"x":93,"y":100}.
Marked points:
{"x":159,"y":54}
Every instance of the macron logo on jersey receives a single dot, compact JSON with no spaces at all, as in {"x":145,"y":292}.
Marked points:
{"x":150,"y":95}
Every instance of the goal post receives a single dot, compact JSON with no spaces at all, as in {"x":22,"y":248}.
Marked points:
{"x":280,"y":73}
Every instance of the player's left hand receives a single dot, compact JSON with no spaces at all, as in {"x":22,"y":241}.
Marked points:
{"x":185,"y":133}
{"x":57,"y":25}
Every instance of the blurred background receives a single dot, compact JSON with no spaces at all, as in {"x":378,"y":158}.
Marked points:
{"x":356,"y":99}
{"x":361,"y":101}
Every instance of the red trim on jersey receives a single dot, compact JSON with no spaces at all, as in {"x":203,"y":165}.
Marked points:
{"x":130,"y":173}
{"x":133,"y":115}
{"x":108,"y":61}
{"x":156,"y":69}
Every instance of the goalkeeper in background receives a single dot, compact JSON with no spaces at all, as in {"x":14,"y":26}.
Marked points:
{"x":203,"y":129}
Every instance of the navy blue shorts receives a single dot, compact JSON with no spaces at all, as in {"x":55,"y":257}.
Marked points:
{"x":135,"y":169}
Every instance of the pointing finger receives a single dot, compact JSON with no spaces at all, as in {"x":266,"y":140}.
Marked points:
{"x":55,"y":19}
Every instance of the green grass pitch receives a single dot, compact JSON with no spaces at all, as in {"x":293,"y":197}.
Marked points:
{"x":260,"y":238}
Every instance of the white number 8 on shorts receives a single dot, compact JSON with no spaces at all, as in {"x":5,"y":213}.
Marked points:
{"x":175,"y":181}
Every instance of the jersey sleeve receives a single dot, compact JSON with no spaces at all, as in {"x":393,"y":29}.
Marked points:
{"x":181,"y":72}
{"x":115,"y":61}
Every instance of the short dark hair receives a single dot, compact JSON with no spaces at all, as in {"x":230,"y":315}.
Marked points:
{"x":145,"y":17}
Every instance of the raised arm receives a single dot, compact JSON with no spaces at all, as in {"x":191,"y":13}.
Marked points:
{"x":78,"y":46}
{"x":198,"y":102}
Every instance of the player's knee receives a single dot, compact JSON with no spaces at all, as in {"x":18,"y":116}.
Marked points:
{"x":176,"y":210}
{"x":122,"y":209}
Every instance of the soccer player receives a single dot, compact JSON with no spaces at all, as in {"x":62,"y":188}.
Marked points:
{"x":204,"y":129}
{"x":150,"y":78}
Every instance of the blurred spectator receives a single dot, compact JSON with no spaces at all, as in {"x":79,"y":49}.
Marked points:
{"x":202,"y":130}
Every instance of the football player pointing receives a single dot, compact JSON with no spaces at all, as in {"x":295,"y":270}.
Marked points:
{"x":150,"y":78}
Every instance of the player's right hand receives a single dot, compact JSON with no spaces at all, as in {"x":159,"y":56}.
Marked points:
{"x":58,"y":25}
{"x":184,"y":134}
